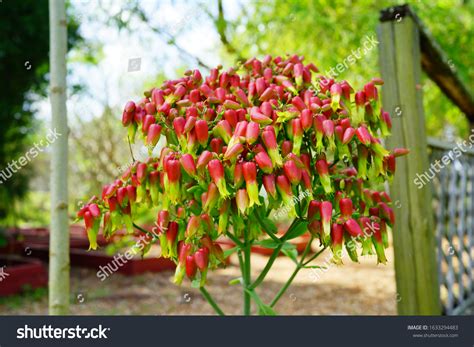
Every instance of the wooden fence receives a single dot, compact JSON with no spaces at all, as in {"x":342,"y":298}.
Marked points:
{"x":432,"y":245}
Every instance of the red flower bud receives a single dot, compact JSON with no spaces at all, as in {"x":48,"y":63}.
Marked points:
{"x":217,"y":145}
{"x":252,"y":132}
{"x":94,"y":210}
{"x":298,"y":103}
{"x":250,"y":177}
{"x":328,"y":128}
{"x":313,"y":210}
{"x":194,"y":96}
{"x":141,"y":172}
{"x":348,"y":135}
{"x":353,"y":228}
{"x":337,"y":235}
{"x":242,"y":97}
{"x":203,"y":160}
{"x":326,"y":215}
{"x":216,"y":171}
{"x":292,"y":172}
{"x":242,"y":200}
{"x":345,"y":205}
{"x":264,"y":161}
{"x":178,"y":125}
{"x":194,"y":223}
{"x":189,"y":125}
{"x":231,"y":117}
{"x":191,"y":267}
{"x":212,"y":196}
{"x":187,"y":162}
{"x":323,"y":171}
{"x":232,"y":152}
{"x":286,"y":148}
{"x":360,"y":98}
{"x":398,"y":152}
{"x":363,"y":135}
{"x":149,"y":120}
{"x":88,"y":220}
{"x":269,"y":139}
{"x":172,"y":232}
{"x":202,"y":132}
{"x":183,"y":251}
{"x":284,"y":188}
{"x":132,"y":192}
{"x":386,"y":213}
{"x":162,"y":221}
{"x":391,"y":163}
{"x":269,"y":185}
{"x":127,"y":118}
{"x":153,"y":134}
{"x":173,"y":170}
{"x":223,"y":130}
{"x":238,"y":175}
{"x":130,"y":107}
{"x":122,"y":196}
{"x":306,"y":119}
{"x":370,"y":91}
{"x":260,"y":118}
{"x":201,"y":257}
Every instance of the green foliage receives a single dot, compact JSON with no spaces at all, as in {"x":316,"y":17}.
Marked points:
{"x":326,"y":32}
{"x":26,"y":297}
{"x":24,"y":45}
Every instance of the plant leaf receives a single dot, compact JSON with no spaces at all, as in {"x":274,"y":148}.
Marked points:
{"x":297,"y":230}
{"x":229,"y":251}
{"x":291,"y":252}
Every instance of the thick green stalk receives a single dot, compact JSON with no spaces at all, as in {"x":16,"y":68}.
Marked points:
{"x":272,"y":258}
{"x":211,"y":301}
{"x":299,"y":266}
{"x":246,"y":274}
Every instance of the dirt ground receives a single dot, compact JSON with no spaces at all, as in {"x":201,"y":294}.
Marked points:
{"x":352,"y":289}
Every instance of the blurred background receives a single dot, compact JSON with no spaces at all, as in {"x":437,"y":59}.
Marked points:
{"x":118,"y":49}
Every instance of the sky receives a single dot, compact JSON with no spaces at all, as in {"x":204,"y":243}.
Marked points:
{"x":144,"y":53}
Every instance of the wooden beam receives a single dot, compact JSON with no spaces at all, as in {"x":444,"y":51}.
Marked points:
{"x":435,"y":62}
{"x":413,"y":234}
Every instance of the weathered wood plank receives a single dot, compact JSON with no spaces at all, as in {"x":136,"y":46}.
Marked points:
{"x":435,"y":62}
{"x":414,"y":233}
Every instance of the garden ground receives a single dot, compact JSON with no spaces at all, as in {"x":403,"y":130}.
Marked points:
{"x":352,"y":289}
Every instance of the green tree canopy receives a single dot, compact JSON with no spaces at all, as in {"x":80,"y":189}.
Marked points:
{"x":326,"y":32}
{"x":24,"y":46}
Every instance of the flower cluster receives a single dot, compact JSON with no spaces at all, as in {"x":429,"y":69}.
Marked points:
{"x":244,"y":142}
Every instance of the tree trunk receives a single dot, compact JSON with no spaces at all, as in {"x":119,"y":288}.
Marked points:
{"x":59,"y":231}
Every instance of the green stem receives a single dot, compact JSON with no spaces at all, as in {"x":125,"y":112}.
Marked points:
{"x":143,"y":230}
{"x":314,"y":256}
{"x":285,"y":287}
{"x":211,"y":301}
{"x":246,"y":274}
{"x":272,"y":258}
{"x":299,"y":266}
{"x":235,"y":240}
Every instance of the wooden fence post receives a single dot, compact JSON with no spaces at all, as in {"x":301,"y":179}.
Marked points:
{"x":414,"y":233}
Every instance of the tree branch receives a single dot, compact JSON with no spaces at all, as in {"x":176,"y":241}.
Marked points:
{"x":221,"y":26}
